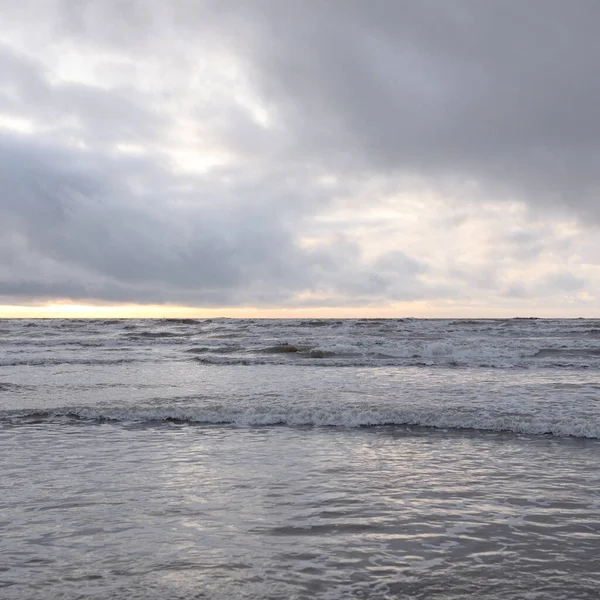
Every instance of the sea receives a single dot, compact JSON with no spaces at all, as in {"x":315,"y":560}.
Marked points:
{"x":300,"y":459}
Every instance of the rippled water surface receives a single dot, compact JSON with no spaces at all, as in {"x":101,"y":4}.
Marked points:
{"x":327,"y":459}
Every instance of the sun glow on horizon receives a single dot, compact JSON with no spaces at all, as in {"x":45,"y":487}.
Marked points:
{"x":419,"y":309}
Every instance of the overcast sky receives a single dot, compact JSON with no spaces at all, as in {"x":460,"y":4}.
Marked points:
{"x":389,"y":157}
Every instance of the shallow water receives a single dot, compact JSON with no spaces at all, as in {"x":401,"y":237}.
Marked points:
{"x":159,"y":476}
{"x":181,"y":511}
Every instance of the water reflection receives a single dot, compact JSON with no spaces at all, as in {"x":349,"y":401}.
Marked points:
{"x":181,"y":511}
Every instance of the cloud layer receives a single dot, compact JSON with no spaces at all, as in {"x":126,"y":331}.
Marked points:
{"x":277,"y":154}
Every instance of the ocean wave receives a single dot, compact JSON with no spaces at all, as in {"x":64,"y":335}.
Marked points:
{"x":214,"y":349}
{"x":182,"y":321}
{"x":319,"y":323}
{"x":6,"y":386}
{"x":580,"y":426}
{"x":426,"y":353}
{"x":156,"y":334}
{"x":285,"y":348}
{"x":474,"y":343}
{"x":314,"y":358}
{"x":55,"y":361}
{"x":567,"y":352}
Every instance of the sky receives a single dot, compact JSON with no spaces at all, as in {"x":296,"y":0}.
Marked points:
{"x":275,"y":158}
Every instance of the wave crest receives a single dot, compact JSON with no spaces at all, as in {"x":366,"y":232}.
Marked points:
{"x":580,"y":426}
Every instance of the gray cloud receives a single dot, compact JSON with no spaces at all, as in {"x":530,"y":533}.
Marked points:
{"x":483,"y":101}
{"x":503,"y":93}
{"x":77,"y":230}
{"x":95,"y":114}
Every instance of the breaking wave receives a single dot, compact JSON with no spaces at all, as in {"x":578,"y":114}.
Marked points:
{"x":535,"y":423}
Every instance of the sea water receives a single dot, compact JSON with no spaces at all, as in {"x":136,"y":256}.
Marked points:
{"x":300,"y":459}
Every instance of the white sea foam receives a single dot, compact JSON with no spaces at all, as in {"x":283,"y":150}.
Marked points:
{"x":508,"y":375}
{"x":557,"y":422}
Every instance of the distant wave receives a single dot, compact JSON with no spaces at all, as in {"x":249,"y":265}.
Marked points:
{"x":453,"y":343}
{"x":183,"y":321}
{"x":432,"y":355}
{"x":309,"y":359}
{"x":155,"y":334}
{"x":6,"y":386}
{"x":54,"y":361}
{"x":214,"y":349}
{"x":573,"y":352}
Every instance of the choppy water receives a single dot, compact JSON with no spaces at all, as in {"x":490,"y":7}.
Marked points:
{"x":300,"y":459}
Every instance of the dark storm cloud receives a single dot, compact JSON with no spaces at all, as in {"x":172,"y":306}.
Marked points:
{"x":503,"y":93}
{"x":499,"y":97}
